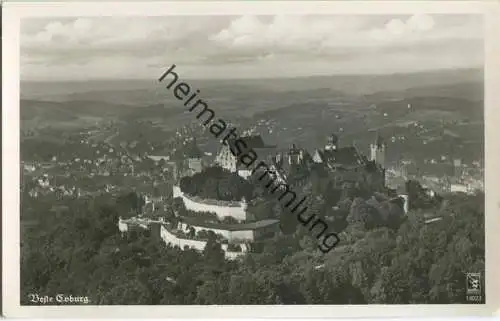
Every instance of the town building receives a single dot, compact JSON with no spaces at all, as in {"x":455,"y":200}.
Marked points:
{"x":347,"y":165}
{"x":232,"y":163}
{"x":187,"y":160}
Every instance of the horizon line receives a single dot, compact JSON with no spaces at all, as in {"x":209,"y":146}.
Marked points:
{"x":477,"y":68}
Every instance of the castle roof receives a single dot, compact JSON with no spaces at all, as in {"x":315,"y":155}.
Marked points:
{"x":345,"y":156}
{"x":231,"y":227}
{"x":284,"y":165}
{"x":252,"y":141}
{"x":379,"y":141}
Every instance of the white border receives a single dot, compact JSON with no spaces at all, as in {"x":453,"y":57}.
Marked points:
{"x":13,"y":12}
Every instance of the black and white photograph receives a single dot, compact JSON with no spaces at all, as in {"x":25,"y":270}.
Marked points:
{"x":252,"y":159}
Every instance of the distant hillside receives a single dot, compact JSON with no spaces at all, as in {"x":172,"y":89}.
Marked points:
{"x":472,"y":91}
{"x":370,"y":84}
{"x":39,"y":114}
{"x":37,"y":90}
{"x":457,"y":93}
{"x":69,"y":110}
{"x":459,"y":107}
{"x":148,"y":92}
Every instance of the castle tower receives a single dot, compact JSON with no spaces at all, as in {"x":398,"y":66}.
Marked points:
{"x":294,"y":155}
{"x":278,"y":159}
{"x":457,"y":168}
{"x":377,"y":152}
{"x":332,"y":142}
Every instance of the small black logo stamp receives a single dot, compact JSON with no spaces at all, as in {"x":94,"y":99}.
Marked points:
{"x":473,"y":287}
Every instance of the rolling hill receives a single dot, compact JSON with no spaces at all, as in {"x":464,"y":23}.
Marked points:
{"x":442,"y":94}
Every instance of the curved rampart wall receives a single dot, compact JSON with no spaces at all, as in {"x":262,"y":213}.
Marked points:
{"x":237,"y":212}
{"x":170,"y":238}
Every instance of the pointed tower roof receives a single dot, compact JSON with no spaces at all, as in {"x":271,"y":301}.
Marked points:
{"x":379,"y":141}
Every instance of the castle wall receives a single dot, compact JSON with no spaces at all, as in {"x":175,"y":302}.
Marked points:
{"x":237,"y":212}
{"x":122,"y":226}
{"x":244,"y":173}
{"x":127,"y":225}
{"x":171,"y":239}
{"x":242,"y":235}
{"x":232,"y":255}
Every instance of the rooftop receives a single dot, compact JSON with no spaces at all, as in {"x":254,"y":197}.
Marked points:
{"x":253,"y":141}
{"x":379,"y":141}
{"x":137,"y":220}
{"x":231,"y":227}
{"x":347,"y":156}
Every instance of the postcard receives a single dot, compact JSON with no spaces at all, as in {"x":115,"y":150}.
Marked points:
{"x":250,"y":159}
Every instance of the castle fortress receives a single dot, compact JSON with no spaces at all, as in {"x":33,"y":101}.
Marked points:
{"x":347,"y":164}
{"x":334,"y":163}
{"x":193,"y":232}
{"x":343,"y":164}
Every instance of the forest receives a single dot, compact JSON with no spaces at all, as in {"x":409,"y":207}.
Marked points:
{"x":383,"y":256}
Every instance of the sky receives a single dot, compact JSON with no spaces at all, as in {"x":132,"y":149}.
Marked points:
{"x":86,"y":48}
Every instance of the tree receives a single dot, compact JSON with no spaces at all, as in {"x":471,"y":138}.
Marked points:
{"x":392,"y":215}
{"x":417,"y":196}
{"x":213,"y":252}
{"x":364,"y":215}
{"x":131,"y":202}
{"x":127,"y":292}
{"x":262,"y":209}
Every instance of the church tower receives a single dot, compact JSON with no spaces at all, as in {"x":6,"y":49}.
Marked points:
{"x":377,"y":151}
{"x":332,"y":142}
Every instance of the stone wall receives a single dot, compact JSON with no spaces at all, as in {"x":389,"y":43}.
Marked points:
{"x":238,"y":212}
{"x":170,"y":238}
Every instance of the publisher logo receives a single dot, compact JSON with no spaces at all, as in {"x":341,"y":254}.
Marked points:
{"x":473,"y":287}
{"x":473,"y":283}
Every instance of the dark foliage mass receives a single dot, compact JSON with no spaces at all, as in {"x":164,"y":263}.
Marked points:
{"x":384,"y":257}
{"x":217,"y":183}
{"x":418,"y":197}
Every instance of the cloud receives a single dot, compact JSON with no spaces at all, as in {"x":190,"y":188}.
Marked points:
{"x":298,"y":33}
{"x":110,"y":36}
{"x":415,"y":28}
{"x":253,"y":44}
